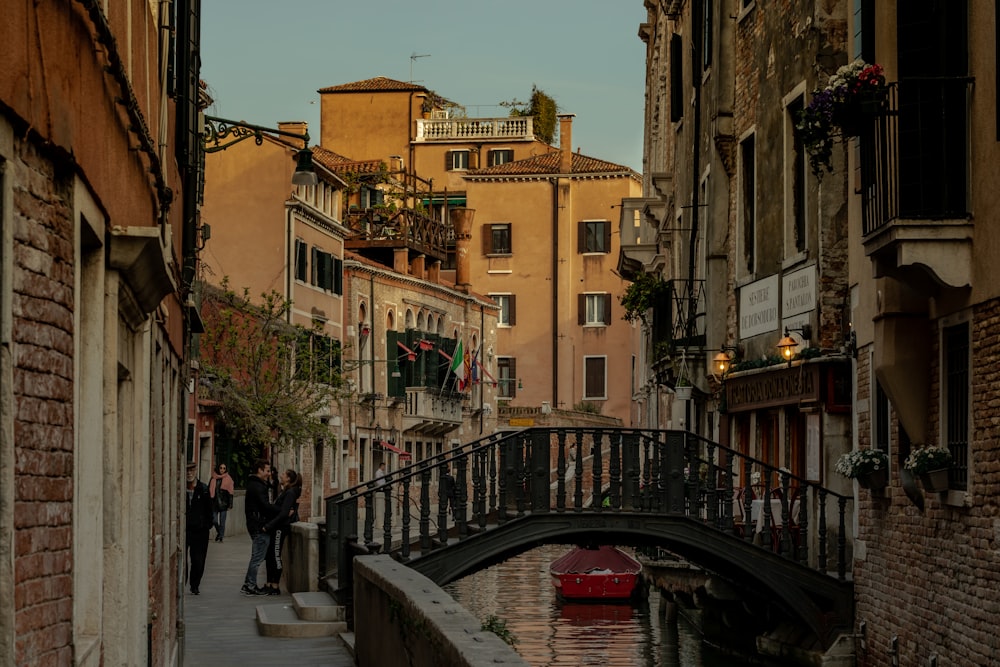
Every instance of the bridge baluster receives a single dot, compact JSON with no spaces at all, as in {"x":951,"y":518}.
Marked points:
{"x":842,"y":539}
{"x":480,"y":488}
{"x":803,"y":521}
{"x":748,"y":528}
{"x":597,"y":472}
{"x":462,"y":496}
{"x":787,"y":546}
{"x":519,"y":489}
{"x":369,"y":518}
{"x":425,"y":508}
{"x":405,"y":505}
{"x":711,"y":486}
{"x":561,"y":471}
{"x":492,"y":456}
{"x":578,"y":473}
{"x":443,"y":507}
{"x":502,"y":483}
{"x":729,"y":521}
{"x":615,"y":471}
{"x":631,"y":460}
{"x":822,"y":530}
{"x":387,"y":517}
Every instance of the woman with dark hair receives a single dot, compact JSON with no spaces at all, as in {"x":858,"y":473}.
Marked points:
{"x":287,"y":507}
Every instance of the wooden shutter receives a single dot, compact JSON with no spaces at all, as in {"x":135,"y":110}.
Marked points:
{"x":338,"y":276}
{"x":487,"y":239}
{"x":607,"y":309}
{"x":301,"y":260}
{"x":581,"y":237}
{"x":607,"y":236}
{"x":448,"y":161}
{"x":581,"y":307}
{"x":314,"y":266}
{"x":512,"y":320}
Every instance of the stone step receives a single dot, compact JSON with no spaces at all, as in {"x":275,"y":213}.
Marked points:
{"x":280,"y":620}
{"x":317,"y":606}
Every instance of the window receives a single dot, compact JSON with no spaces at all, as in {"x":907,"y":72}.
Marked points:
{"x":676,"y":79}
{"x":501,"y":156}
{"x":371,"y":197}
{"x":796,"y":174}
{"x":507,"y":316}
{"x":455,"y":160}
{"x":327,"y":271}
{"x":594,"y":236}
{"x":595,"y":377}
{"x":496,"y":239}
{"x":955,"y":401}
{"x":506,"y":377}
{"x":317,"y":358}
{"x":301,"y":260}
{"x":748,"y":199}
{"x":595,"y":309}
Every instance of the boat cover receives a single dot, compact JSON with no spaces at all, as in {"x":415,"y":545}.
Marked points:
{"x":602,"y":559}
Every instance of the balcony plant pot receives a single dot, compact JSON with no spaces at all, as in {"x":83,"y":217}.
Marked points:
{"x":875,"y":480}
{"x":935,"y":481}
{"x":682,"y":392}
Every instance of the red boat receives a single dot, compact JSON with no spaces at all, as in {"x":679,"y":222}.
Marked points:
{"x":603,"y":573}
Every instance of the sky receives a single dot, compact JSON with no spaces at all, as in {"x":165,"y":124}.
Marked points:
{"x":264,"y":60}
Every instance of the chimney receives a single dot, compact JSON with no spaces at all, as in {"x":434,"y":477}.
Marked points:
{"x":417,"y":267}
{"x":461,"y":221}
{"x":434,"y":272}
{"x":296,"y":127}
{"x":400,"y":260}
{"x":566,"y":142}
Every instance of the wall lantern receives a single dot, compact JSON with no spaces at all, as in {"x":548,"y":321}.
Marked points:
{"x":787,"y":345}
{"x":722,"y":361}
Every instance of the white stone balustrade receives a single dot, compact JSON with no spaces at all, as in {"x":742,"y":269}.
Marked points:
{"x":441,"y":129}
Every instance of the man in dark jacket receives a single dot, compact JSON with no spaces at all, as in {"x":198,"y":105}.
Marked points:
{"x":258,"y":511}
{"x":198,"y":523}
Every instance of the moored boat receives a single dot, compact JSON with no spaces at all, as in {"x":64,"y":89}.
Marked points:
{"x":601,"y":573}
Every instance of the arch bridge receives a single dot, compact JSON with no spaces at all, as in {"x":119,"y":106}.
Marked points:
{"x":771,"y":535}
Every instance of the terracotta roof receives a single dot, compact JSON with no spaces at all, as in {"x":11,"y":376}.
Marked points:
{"x":379,"y":83}
{"x":548,"y":163}
{"x":340,"y":164}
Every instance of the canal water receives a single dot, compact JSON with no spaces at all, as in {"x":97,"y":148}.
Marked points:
{"x":550,"y":632}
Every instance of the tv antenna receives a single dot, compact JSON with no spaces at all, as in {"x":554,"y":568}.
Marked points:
{"x":414,"y":56}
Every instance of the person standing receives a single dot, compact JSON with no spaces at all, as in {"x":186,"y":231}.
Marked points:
{"x":287,"y":504}
{"x":198,"y":522}
{"x":221,"y":488}
{"x":447,"y":490}
{"x":380,"y":474}
{"x":258,"y":511}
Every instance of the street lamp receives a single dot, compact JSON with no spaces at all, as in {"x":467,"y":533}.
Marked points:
{"x":221,"y":133}
{"x":787,"y":345}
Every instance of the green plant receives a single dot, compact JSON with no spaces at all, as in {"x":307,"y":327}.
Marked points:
{"x":861,"y":462}
{"x":498,"y":626}
{"x":642,"y":294}
{"x":588,"y":406}
{"x":542,"y":108}
{"x":926,"y":459}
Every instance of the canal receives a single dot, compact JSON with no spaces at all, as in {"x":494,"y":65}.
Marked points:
{"x":549,"y":632}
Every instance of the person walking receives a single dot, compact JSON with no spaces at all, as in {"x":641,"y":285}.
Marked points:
{"x":258,"y":512}
{"x":198,"y":522}
{"x":221,"y":488}
{"x":447,"y":490}
{"x":287,"y":513}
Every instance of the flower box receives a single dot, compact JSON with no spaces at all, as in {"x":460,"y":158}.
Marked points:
{"x":868,"y":466}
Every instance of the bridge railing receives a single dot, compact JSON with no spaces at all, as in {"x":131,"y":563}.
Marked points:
{"x":509,"y":475}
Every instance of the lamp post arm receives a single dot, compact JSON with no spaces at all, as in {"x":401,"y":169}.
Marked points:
{"x":221,"y":133}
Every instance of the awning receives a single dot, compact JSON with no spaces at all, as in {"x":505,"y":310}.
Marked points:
{"x":452,"y":201}
{"x":403,"y":454}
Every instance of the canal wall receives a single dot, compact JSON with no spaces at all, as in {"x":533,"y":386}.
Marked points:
{"x":399,"y":612}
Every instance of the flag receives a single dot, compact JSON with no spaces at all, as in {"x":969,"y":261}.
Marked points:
{"x":458,"y":363}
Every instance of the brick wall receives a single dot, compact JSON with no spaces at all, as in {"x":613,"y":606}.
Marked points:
{"x":930,"y":578}
{"x":42,"y":304}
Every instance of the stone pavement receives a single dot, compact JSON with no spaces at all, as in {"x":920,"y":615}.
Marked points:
{"x":221,"y":624}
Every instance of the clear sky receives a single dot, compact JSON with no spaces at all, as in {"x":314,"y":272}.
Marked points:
{"x":265,"y":60}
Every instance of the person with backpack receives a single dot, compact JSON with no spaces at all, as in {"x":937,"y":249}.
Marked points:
{"x":286,"y":513}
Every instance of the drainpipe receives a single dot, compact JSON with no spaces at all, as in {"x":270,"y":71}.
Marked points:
{"x":555,"y":294}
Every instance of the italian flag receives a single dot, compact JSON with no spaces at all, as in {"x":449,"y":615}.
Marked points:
{"x":458,"y":362}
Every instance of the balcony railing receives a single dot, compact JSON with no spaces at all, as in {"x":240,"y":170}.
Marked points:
{"x":679,"y":319}
{"x":474,"y":129}
{"x":402,"y":228}
{"x":431,"y":411}
{"x":914,"y":157}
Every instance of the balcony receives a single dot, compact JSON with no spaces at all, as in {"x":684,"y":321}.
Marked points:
{"x":431,"y":412}
{"x":914,"y":184}
{"x":638,"y":225}
{"x":679,"y":319}
{"x":382,"y":229}
{"x":474,"y":129}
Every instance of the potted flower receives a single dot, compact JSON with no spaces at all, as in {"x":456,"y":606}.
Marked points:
{"x":682,"y":389}
{"x":869,"y":466}
{"x":930,"y":464}
{"x":855,"y":92}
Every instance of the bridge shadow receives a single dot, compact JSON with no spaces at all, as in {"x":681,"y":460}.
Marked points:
{"x":669,"y":489}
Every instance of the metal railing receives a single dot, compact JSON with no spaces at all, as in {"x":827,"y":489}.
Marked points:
{"x":506,"y":476}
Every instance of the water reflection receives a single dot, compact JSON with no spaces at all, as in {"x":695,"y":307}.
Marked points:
{"x":550,"y":632}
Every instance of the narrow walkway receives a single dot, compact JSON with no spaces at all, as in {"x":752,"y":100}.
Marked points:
{"x":221,"y":624}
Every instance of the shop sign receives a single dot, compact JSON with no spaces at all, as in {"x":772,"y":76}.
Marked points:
{"x":798,"y":292}
{"x":522,"y":421}
{"x":788,"y":386}
{"x":759,"y":307}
